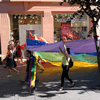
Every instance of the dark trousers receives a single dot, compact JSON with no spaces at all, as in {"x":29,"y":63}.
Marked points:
{"x":65,"y":74}
{"x":14,"y":61}
{"x":27,"y":76}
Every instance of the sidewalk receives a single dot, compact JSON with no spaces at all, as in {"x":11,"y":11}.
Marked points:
{"x":86,"y":79}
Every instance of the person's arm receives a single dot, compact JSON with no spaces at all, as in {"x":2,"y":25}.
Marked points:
{"x":66,"y":53}
{"x":39,"y":65}
{"x":10,"y":55}
{"x":65,"y":50}
{"x":64,"y":45}
{"x":61,"y":51}
{"x":32,"y":36}
{"x":13,"y":48}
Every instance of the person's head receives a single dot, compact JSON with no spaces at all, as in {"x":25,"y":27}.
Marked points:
{"x":28,"y":53}
{"x":55,"y":32}
{"x":9,"y":42}
{"x":64,"y":38}
{"x":18,"y":43}
{"x":9,"y":47}
{"x":69,"y":39}
{"x":88,"y":35}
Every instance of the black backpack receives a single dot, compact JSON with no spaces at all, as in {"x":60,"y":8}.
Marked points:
{"x":70,"y":63}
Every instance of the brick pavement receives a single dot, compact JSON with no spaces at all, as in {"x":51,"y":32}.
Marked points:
{"x":86,"y":79}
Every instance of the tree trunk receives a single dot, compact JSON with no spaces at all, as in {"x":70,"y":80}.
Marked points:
{"x":97,"y":47}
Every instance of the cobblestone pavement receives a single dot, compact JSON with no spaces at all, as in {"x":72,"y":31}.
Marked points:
{"x":86,"y":80}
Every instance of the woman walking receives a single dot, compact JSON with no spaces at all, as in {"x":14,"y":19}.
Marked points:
{"x":65,"y":67}
{"x":12,"y":46}
{"x":19,"y":52}
{"x":10,"y":63}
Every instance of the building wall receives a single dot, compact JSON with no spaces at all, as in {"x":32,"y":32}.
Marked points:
{"x":46,"y":9}
{"x":4,"y":31}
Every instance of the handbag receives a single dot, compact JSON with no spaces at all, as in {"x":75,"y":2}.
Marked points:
{"x":70,"y":63}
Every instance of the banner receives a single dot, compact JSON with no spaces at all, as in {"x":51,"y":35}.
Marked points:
{"x":73,"y":36}
{"x":65,"y":29}
{"x":25,"y":21}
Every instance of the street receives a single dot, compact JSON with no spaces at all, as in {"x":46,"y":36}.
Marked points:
{"x":86,"y":80}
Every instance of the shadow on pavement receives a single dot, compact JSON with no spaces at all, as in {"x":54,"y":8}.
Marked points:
{"x":49,"y":83}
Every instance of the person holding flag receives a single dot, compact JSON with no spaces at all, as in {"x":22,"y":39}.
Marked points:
{"x":30,"y":71}
{"x":65,"y":66}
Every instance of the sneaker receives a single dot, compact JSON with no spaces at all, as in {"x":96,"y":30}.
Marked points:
{"x":9,"y":75}
{"x":18,"y":73}
{"x":5,"y":66}
{"x":22,"y":81}
{"x":37,"y":80}
{"x":60,"y":89}
{"x":73,"y":84}
{"x":33,"y":90}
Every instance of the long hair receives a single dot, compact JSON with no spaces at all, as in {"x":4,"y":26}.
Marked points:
{"x":28,"y":51}
{"x":17,"y":41}
{"x":68,"y":50}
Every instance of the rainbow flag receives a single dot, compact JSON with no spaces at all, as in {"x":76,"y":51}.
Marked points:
{"x":32,"y":72}
{"x":83,"y":52}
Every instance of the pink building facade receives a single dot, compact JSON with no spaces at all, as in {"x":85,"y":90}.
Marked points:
{"x":44,"y":7}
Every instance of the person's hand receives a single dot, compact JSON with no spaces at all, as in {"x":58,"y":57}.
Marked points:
{"x":59,"y":48}
{"x":63,"y":42}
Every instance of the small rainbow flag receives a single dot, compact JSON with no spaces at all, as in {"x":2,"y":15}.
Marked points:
{"x":32,"y":72}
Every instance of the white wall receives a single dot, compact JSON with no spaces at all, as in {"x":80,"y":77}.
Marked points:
{"x":22,"y":32}
{"x":23,"y":28}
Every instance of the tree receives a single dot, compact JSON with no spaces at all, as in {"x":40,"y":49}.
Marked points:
{"x":92,"y":9}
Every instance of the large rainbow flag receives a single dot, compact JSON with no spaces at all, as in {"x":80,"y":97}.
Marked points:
{"x":83,"y":52}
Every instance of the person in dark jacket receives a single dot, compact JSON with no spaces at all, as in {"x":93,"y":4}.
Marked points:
{"x":30,"y":71}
